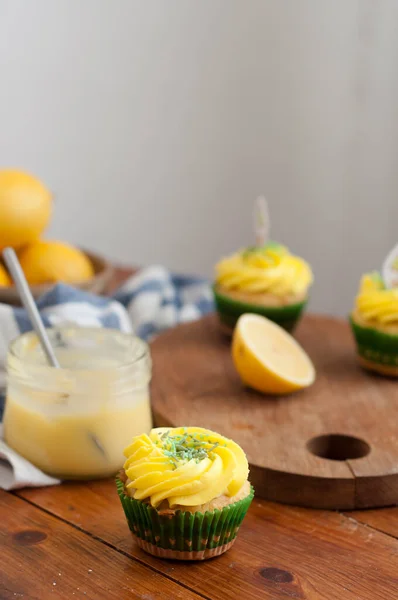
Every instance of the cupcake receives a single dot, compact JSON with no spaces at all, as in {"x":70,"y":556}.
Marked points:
{"x":265,"y":280}
{"x":184,"y":492}
{"x":374,"y":322}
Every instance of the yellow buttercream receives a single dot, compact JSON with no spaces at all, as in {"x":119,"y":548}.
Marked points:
{"x":376,"y":303}
{"x":271,"y":269}
{"x":186,"y":466}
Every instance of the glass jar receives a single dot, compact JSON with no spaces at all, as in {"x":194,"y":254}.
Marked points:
{"x":74,"y":422}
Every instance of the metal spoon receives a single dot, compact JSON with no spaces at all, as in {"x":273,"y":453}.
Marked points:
{"x":25,"y":295}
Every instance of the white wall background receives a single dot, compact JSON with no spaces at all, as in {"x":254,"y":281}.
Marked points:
{"x":157,"y":123}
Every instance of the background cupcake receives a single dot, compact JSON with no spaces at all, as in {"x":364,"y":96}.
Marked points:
{"x":265,"y":280}
{"x":374,"y":322}
{"x":184,"y":492}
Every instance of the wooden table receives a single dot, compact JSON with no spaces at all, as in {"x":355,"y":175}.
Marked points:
{"x":72,"y":541}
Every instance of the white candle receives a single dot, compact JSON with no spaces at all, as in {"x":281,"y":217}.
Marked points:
{"x":389,"y":271}
{"x":261,"y":221}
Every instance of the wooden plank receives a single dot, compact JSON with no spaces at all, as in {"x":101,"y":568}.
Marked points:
{"x":385,"y":520}
{"x":280,"y":552}
{"x":195,"y":383}
{"x":43,"y":557}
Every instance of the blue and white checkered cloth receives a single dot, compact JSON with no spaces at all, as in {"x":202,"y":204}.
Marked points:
{"x":149,"y":302}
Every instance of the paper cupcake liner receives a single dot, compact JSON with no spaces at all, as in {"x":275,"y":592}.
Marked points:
{"x":229,"y":311}
{"x":183,"y":531}
{"x":375,"y":346}
{"x":184,"y":555}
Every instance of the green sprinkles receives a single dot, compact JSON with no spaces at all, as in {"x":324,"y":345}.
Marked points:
{"x":263,"y":249}
{"x":186,"y":447}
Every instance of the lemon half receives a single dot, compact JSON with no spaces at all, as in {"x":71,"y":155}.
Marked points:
{"x":268,"y":358}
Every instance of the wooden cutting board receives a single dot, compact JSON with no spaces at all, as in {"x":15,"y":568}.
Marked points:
{"x":334,"y":445}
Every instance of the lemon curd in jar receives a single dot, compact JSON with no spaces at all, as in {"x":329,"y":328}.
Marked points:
{"x":74,"y":422}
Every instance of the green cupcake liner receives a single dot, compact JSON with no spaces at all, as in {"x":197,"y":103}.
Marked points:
{"x":375,"y":346}
{"x":229,"y":311}
{"x":182,"y":530}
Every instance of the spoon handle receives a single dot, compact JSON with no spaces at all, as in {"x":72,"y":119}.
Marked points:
{"x":15,"y":269}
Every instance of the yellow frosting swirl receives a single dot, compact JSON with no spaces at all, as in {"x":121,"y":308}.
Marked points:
{"x":376,"y":303}
{"x":271,"y":269}
{"x":186,"y":466}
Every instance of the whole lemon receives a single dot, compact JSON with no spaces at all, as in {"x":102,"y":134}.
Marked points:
{"x":25,"y":208}
{"x":4,"y":277}
{"x":50,"y":261}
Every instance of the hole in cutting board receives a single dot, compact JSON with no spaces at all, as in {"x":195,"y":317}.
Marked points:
{"x":336,"y":446}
